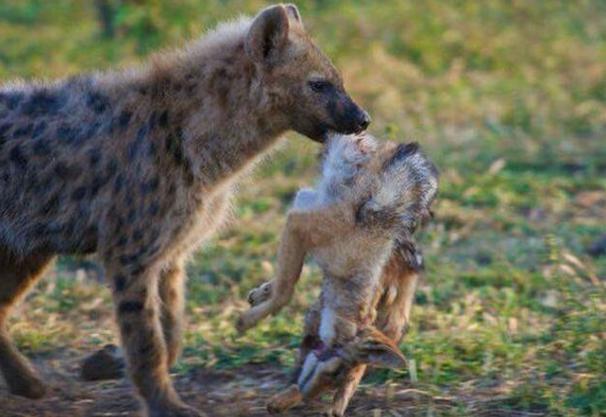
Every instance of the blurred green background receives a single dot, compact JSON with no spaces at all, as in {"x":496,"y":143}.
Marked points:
{"x":508,"y":98}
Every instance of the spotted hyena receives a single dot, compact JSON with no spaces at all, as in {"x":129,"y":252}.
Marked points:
{"x":139,"y":166}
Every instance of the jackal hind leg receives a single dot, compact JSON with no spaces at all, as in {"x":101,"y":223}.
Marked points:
{"x":17,"y":276}
{"x":344,"y":392}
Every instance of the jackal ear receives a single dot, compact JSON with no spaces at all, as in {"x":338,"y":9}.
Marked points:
{"x":378,"y":350}
{"x":268,"y":33}
{"x":293,"y":13}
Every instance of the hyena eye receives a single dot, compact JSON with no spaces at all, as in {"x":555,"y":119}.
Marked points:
{"x":320,"y":86}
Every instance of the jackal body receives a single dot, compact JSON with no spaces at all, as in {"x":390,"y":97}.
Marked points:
{"x":357,"y":225}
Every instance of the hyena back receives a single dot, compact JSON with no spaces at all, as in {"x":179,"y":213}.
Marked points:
{"x":138,"y":166}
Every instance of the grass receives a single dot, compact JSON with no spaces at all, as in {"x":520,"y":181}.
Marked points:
{"x":509,"y":98}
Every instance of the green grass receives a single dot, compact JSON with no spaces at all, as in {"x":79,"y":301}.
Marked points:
{"x":509,"y":98}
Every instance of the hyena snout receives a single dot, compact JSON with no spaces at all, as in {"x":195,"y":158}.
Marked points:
{"x":348,"y":117}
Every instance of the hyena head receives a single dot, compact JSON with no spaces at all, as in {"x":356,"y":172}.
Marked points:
{"x":305,"y":89}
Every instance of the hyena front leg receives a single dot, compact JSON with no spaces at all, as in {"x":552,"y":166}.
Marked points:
{"x":172,"y":295}
{"x":16,"y":277}
{"x":138,"y":312}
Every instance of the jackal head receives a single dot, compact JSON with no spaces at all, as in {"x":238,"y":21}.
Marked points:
{"x":301,"y":82}
{"x":407,"y":185}
{"x":326,"y":367}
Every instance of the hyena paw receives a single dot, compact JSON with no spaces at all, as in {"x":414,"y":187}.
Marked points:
{"x":27,"y":386}
{"x":260,"y":294}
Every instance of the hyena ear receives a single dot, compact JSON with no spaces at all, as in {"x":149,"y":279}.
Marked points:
{"x":268,"y":33}
{"x":293,"y":13}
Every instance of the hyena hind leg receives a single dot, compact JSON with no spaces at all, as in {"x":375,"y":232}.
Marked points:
{"x":138,"y":313}
{"x":17,"y":276}
{"x":172,"y":295}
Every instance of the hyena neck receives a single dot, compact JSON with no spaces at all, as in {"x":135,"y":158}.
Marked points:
{"x":220,"y":107}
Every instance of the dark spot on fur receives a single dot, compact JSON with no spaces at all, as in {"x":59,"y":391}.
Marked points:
{"x":42,"y":102}
{"x":41,"y":148}
{"x":118,"y":225}
{"x":153,"y":209}
{"x":124,"y":119}
{"x":18,"y":158}
{"x":153,"y":119}
{"x":150,"y":186}
{"x":130,"y":307}
{"x":39,"y":229}
{"x":151,"y":150}
{"x":129,"y":200}
{"x":94,"y":156}
{"x":163,"y":119}
{"x":118,"y":183}
{"x":137,"y":235}
{"x":51,"y":205}
{"x":130,"y":217}
{"x":4,"y":128}
{"x":122,"y":241}
{"x":88,"y":132}
{"x":79,"y":193}
{"x":171,"y":190}
{"x":67,"y":133}
{"x":67,"y":171}
{"x":120,"y":282}
{"x":134,"y":146}
{"x":39,"y":129}
{"x":112,"y":167}
{"x":23,"y":131}
{"x":97,"y":102}
{"x":128,"y":259}
{"x":11,"y":100}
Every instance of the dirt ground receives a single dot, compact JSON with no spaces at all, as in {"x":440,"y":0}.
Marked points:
{"x":223,"y":393}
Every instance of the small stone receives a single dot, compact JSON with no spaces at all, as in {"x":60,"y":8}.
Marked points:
{"x":598,"y":247}
{"x":107,"y":363}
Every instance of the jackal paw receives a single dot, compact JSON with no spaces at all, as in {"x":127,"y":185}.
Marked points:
{"x":284,"y":400}
{"x":260,"y":294}
{"x":331,"y":412}
{"x":245,"y":322}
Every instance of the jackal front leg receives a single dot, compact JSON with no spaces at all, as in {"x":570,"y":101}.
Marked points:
{"x":303,"y":231}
